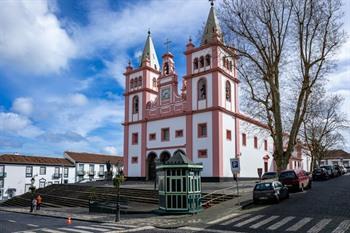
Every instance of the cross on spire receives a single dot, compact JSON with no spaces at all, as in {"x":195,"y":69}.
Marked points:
{"x":211,"y":2}
{"x":167,"y":43}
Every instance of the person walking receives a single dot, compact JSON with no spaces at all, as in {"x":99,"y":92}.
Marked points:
{"x":33,"y":205}
{"x":39,"y":200}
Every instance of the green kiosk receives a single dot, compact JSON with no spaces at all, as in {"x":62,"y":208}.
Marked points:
{"x":179,"y":184}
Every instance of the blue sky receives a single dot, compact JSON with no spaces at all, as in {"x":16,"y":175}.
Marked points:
{"x":61,"y":66}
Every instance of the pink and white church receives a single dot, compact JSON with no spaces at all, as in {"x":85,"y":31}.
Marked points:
{"x":202,"y":119}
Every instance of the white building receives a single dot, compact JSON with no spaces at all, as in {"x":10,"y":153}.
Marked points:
{"x":17,"y":172}
{"x":337,"y":157}
{"x":203,"y":120}
{"x":92,"y":166}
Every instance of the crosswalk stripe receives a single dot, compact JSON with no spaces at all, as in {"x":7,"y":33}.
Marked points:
{"x":263,"y":222}
{"x":74,"y":230}
{"x":343,"y":226}
{"x":249,"y":220}
{"x":32,"y":225}
{"x":109,"y":227}
{"x":223,"y":218}
{"x":101,"y":229}
{"x":299,"y":224}
{"x":134,"y":229}
{"x":118,"y":225}
{"x":319,"y":226}
{"x":50,"y":230}
{"x":235,"y":219}
{"x":280,"y":223}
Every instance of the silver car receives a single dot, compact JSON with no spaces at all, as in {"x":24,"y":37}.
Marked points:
{"x":270,"y":191}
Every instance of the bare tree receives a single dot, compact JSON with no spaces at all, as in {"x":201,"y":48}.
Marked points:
{"x":280,"y":42}
{"x":322,"y":125}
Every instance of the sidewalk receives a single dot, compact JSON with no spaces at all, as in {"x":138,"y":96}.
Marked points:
{"x":146,"y":219}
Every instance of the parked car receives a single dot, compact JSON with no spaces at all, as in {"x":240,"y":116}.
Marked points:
{"x":339,"y":170}
{"x":269,"y":175}
{"x":270,"y":191}
{"x":330,"y":169}
{"x":344,"y":169}
{"x":295,"y":179}
{"x":320,"y":174}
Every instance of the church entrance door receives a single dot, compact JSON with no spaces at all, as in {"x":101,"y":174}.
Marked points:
{"x":151,"y":166}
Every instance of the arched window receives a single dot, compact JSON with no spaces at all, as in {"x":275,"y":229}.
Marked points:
{"x":201,"y":62}
{"x":154,"y":82}
{"x":224,"y":61}
{"x":131,"y":83}
{"x":195,"y":63}
{"x":228,"y":91}
{"x":231,"y":66}
{"x":140,"y":81}
{"x":166,"y":68}
{"x":202,"y":89}
{"x":207,"y":60}
{"x":135,"y":104}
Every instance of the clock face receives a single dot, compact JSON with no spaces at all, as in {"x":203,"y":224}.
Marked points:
{"x":165,"y":93}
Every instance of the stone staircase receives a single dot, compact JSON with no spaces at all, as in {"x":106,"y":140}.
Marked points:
{"x":69,"y":195}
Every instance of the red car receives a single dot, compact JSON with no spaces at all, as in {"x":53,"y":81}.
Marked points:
{"x":295,"y":179}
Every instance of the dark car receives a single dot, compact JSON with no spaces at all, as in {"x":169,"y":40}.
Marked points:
{"x":269,"y":175}
{"x":295,"y":179}
{"x":270,"y":191}
{"x":339,"y":170}
{"x":320,"y":174}
{"x":330,"y":169}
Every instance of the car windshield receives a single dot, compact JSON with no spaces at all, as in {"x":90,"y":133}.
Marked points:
{"x":263,"y":186}
{"x":287,"y":175}
{"x":269,"y":174}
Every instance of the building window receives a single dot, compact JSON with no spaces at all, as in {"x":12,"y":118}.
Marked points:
{"x":165,"y":134}
{"x":195,"y":63}
{"x":1,"y":183}
{"x":202,"y":130}
{"x":228,"y":135}
{"x":207,"y":60}
{"x":140,"y":81}
{"x":201,"y":62}
{"x":244,"y":139}
{"x":231,"y":65}
{"x":202,"y":89}
{"x":102,"y":168}
{"x":179,"y":133}
{"x":81,"y":167}
{"x":29,"y":171}
{"x":154,"y":82}
{"x":255,"y":142}
{"x":228,"y":91}
{"x":65,"y":172}
{"x":57,"y":171}
{"x":152,"y":136}
{"x":202,"y":154}
{"x":135,"y":138}
{"x":135,"y":104}
{"x":224,"y":61}
{"x":131,"y":84}
{"x":91,"y":169}
{"x":265,"y":144}
{"x":42,"y":171}
{"x":134,"y":159}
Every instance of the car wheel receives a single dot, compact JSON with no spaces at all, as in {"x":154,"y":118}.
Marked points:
{"x":255,"y":201}
{"x":287,"y":197}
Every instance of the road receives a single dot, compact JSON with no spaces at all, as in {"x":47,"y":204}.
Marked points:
{"x":24,"y":223}
{"x":325,"y":209}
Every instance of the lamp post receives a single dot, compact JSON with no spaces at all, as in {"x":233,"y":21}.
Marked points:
{"x":117,"y":181}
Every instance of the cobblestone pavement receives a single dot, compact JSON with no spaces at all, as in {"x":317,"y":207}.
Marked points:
{"x":324,"y":208}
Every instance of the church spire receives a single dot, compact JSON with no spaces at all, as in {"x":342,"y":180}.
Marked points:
{"x":149,"y":54}
{"x":212,"y":31}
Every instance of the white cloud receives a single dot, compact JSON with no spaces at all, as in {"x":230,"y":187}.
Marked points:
{"x":110,"y":150}
{"x":32,"y":39}
{"x":78,"y":99}
{"x":14,"y":123}
{"x":23,"y":105}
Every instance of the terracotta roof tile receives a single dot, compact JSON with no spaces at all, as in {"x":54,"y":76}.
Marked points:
{"x":335,"y":154}
{"x":34,"y":160}
{"x":83,"y":157}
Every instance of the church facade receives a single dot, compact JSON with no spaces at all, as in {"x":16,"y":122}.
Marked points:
{"x":202,"y":119}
